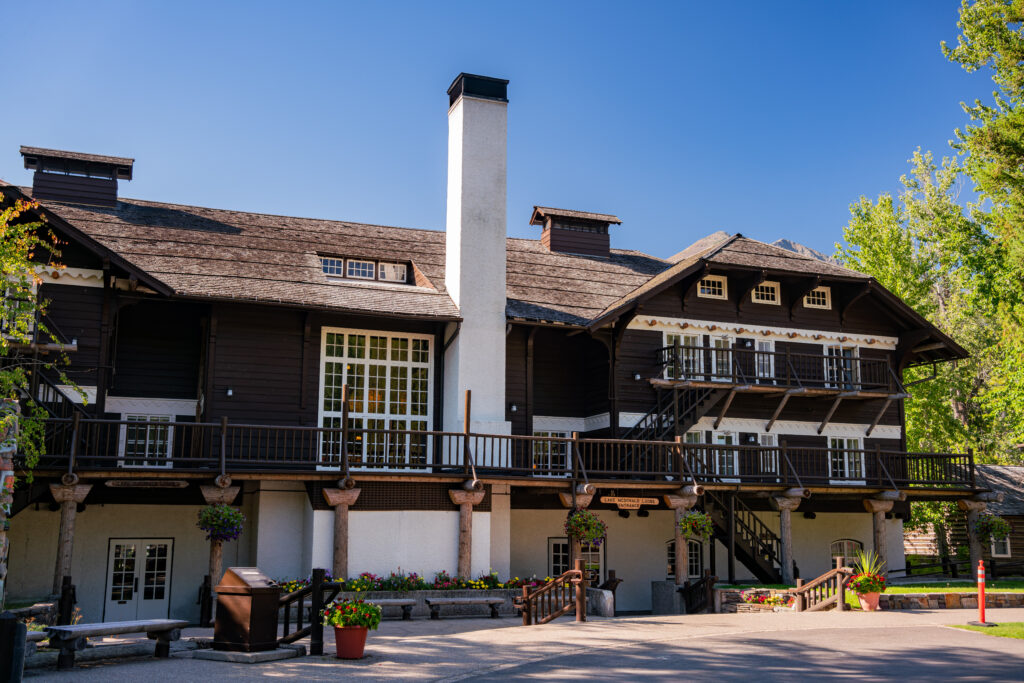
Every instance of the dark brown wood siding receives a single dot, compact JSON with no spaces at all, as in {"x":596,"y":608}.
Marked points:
{"x":157,"y":349}
{"x":77,"y":311}
{"x":576,"y":242}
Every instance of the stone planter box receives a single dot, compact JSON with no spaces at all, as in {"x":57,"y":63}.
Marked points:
{"x":730,"y":600}
{"x":898,"y":601}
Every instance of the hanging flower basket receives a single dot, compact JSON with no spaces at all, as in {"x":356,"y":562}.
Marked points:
{"x":585,"y":526}
{"x":991,"y":527}
{"x":221,"y":522}
{"x":697,"y":525}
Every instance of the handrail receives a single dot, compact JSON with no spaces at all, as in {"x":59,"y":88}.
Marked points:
{"x":697,"y":594}
{"x":822,"y":592}
{"x":321,"y":592}
{"x":556,"y":598}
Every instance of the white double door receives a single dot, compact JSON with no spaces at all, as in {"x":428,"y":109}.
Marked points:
{"x":138,"y":578}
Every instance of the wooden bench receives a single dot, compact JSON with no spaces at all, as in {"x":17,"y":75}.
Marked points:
{"x":32,"y":640}
{"x":72,"y":638}
{"x":405,"y":604}
{"x":435,"y":604}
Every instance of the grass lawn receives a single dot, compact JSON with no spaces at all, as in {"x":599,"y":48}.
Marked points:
{"x":1008,"y":630}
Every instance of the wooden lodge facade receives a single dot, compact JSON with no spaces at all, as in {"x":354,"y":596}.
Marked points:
{"x":311,"y":371}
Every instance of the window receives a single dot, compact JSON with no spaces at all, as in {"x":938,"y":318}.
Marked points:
{"x":819,"y":297}
{"x":551,"y":457}
{"x":846,"y":460}
{"x":332,"y":266}
{"x":392,"y":272}
{"x":765,"y":293}
{"x":847,"y":548}
{"x":726,"y":460}
{"x":694,"y":559}
{"x":1001,"y":548}
{"x":558,"y":558}
{"x":389,"y":387}
{"x":690,"y":361}
{"x":713,"y":287}
{"x":764,"y":361}
{"x":147,"y":443}
{"x":362,"y":270}
{"x":842,"y":367}
{"x":721,"y":359}
{"x":768,"y":457}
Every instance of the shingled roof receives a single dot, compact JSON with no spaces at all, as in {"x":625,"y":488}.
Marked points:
{"x":1005,"y":479}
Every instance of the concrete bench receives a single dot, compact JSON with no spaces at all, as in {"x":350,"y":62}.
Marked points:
{"x":70,"y":639}
{"x":435,"y":604}
{"x":405,"y":604}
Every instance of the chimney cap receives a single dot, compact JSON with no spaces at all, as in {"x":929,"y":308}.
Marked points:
{"x":62,"y":161}
{"x":484,"y":87}
{"x":542,"y":213}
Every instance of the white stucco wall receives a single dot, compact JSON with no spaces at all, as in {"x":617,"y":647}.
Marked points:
{"x":280,"y":513}
{"x":501,"y":530}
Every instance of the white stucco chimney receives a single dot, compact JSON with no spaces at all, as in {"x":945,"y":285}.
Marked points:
{"x":475,"y":251}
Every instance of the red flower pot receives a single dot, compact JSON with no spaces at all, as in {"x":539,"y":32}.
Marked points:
{"x":868,"y":601}
{"x":349,"y":641}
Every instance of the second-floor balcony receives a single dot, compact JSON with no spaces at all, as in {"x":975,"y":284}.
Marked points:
{"x":837,"y":370}
{"x":145,"y":448}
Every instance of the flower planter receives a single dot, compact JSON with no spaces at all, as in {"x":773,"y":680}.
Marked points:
{"x":350,"y":641}
{"x":868,"y":601}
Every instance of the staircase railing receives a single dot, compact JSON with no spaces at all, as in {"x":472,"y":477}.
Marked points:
{"x":319,"y":592}
{"x":566,"y":593}
{"x":54,"y":401}
{"x":824,"y":592}
{"x":670,"y":407}
{"x":752,"y":532}
{"x":697,"y":594}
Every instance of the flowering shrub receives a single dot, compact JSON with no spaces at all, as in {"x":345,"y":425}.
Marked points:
{"x":867,"y":583}
{"x":755,"y":597}
{"x":696,"y":525}
{"x":585,"y":526}
{"x":221,"y":522}
{"x":351,"y":613}
{"x":398,"y":581}
{"x":992,"y":527}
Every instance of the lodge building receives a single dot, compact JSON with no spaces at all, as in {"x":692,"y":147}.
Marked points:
{"x":314,"y":371}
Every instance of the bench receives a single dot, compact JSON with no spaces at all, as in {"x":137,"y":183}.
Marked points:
{"x":72,"y":638}
{"x":405,"y":604}
{"x":32,"y":640}
{"x":435,"y":604}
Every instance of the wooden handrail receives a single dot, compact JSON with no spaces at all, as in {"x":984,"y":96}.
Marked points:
{"x":552,"y":600}
{"x":823,"y":592}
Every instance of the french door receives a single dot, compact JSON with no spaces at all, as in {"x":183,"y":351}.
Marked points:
{"x":842,"y":368}
{"x":726,"y":461}
{"x":138,"y":579}
{"x":846,"y":461}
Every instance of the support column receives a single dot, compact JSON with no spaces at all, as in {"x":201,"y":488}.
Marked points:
{"x":681,"y":502}
{"x":341,"y":500}
{"x":69,"y":496}
{"x":973,"y":508}
{"x":218,"y":495}
{"x":584,"y":495}
{"x":785,"y":505}
{"x":878,"y":508}
{"x":465,"y":500}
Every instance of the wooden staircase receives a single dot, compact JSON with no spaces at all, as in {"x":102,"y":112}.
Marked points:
{"x":757,"y":547}
{"x":675,"y":411}
{"x":567,"y":593}
{"x":826,"y":592}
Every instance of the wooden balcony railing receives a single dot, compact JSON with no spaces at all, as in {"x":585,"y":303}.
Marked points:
{"x":843,"y":371}
{"x":82,"y":444}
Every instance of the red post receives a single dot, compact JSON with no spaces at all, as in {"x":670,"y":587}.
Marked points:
{"x":981,"y":591}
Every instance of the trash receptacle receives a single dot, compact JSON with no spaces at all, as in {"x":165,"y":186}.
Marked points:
{"x":247,"y":607}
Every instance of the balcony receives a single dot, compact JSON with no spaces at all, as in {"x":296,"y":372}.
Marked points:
{"x":127,"y":448}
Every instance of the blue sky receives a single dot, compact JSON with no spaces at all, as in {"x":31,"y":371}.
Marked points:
{"x":682,"y":118}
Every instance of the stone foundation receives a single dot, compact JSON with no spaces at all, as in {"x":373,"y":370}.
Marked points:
{"x":947,"y":600}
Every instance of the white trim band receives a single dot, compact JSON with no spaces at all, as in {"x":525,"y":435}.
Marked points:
{"x":678,"y":325}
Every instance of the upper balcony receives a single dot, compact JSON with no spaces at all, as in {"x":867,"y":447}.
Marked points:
{"x":126,"y":448}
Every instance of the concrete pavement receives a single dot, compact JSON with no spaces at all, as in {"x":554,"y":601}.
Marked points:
{"x":771,"y":646}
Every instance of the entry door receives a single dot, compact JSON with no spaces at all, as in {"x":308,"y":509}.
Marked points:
{"x":138,"y":578}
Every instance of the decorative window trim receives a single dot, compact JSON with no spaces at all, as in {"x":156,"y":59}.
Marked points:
{"x":827,"y":305}
{"x":721,"y":280}
{"x":992,"y":547}
{"x":762,"y":289}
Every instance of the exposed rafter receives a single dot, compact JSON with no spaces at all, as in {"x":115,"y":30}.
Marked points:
{"x":864,"y":291}
{"x":745,"y":297}
{"x":812,"y":284}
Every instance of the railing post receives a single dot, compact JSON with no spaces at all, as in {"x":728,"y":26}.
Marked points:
{"x":526,"y":606}
{"x":223,"y":444}
{"x":465,"y":432}
{"x":970,"y":459}
{"x":344,"y":430}
{"x":206,"y":603}
{"x":677,"y":362}
{"x":581,"y":592}
{"x":316,"y":625}
{"x":784,"y":461}
{"x":66,"y":602}
{"x":800,"y":598}
{"x":679,"y":457}
{"x":789,"y":367}
{"x":76,"y":425}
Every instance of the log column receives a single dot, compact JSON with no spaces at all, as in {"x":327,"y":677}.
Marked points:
{"x":682,"y":502}
{"x":584,"y":495}
{"x":973,"y":508}
{"x":218,"y":495}
{"x":69,"y":496}
{"x":785,"y":505}
{"x":466,"y":500}
{"x":341,"y":500}
{"x":878,"y":508}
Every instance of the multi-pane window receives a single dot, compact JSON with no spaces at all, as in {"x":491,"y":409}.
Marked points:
{"x":819,"y":297}
{"x":361,"y":270}
{"x":154,"y":578}
{"x":764,"y":361}
{"x":122,"y":578}
{"x":713,"y":287}
{"x":550,"y":457}
{"x":389,"y":384}
{"x":721,"y":359}
{"x":558,"y":558}
{"x":146,"y":441}
{"x":392,"y":272}
{"x":332,"y":266}
{"x":768,"y":458}
{"x":842,"y":367}
{"x":364,"y":269}
{"x":847,"y":548}
{"x":726,"y":460}
{"x":1001,"y":547}
{"x":689,"y":362}
{"x":694,"y":559}
{"x":765,"y":293}
{"x":846,"y":458}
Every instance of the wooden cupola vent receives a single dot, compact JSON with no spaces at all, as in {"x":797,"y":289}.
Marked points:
{"x":574,"y":232}
{"x":75,"y":177}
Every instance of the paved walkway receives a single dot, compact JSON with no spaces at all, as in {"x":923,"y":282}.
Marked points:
{"x":913,"y":646}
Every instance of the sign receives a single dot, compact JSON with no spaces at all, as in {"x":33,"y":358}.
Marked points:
{"x":624,"y":503}
{"x":147,"y":483}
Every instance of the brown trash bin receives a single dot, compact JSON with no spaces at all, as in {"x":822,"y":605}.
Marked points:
{"x":247,"y":608}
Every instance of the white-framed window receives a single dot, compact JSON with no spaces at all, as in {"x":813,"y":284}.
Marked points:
{"x":768,"y":457}
{"x":766,"y":292}
{"x":147,"y":441}
{"x":550,"y":458}
{"x":842,"y":367}
{"x":694,"y":559}
{"x":764,"y":361}
{"x":690,"y":364}
{"x":697,"y":456}
{"x":846,"y":460}
{"x":360,"y":270}
{"x":333,"y":266}
{"x":390,"y":384}
{"x":819,"y":297}
{"x":1001,"y":548}
{"x":713,"y":287}
{"x":726,"y":460}
{"x":392,"y":272}
{"x":558,"y":557}
{"x":721,"y":358}
{"x":846,"y":548}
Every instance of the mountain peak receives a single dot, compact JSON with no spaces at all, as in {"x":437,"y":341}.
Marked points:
{"x":803,"y":250}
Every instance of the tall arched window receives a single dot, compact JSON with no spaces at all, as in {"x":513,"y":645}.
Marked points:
{"x":845,"y":547}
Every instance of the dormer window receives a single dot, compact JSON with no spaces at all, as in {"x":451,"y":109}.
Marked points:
{"x":765,"y":293}
{"x":361,"y":270}
{"x":819,"y":297}
{"x":364,"y":269}
{"x":393,"y":272}
{"x":713,"y":287}
{"x":333,"y":266}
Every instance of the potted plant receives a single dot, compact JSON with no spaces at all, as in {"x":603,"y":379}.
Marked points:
{"x":869,"y":581}
{"x":696,"y":525}
{"x":991,"y":527}
{"x":351,"y":620}
{"x":585,"y":526}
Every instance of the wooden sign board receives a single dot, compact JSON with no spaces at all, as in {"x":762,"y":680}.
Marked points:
{"x":147,"y":484}
{"x":624,"y":503}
